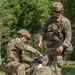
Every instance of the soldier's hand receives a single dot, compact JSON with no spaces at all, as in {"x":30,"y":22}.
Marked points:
{"x":60,"y":49}
{"x":31,"y":62}
{"x":41,"y":56}
{"x":40,"y":44}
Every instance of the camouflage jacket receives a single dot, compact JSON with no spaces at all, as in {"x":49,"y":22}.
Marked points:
{"x":61,"y":23}
{"x":14,"y":48}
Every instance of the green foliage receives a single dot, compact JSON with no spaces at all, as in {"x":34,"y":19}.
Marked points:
{"x":31,"y":15}
{"x":18,"y":14}
{"x":24,"y":14}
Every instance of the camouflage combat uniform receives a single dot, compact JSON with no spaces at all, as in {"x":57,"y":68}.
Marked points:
{"x":11,"y":63}
{"x":53,"y":31}
{"x":37,"y":68}
{"x":44,"y":70}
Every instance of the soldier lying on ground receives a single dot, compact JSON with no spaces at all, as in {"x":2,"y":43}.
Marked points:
{"x":12,"y":63}
{"x":37,"y":68}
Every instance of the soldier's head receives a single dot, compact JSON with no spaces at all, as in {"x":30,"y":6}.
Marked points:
{"x":57,"y":8}
{"x":37,"y":60}
{"x":24,"y":35}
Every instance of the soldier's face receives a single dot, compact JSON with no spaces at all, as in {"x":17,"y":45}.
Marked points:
{"x":56,"y":13}
{"x":24,"y":38}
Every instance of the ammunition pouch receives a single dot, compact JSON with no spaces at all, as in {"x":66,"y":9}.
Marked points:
{"x":52,"y":36}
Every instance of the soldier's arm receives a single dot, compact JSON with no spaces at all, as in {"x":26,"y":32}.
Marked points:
{"x":25,"y":47}
{"x":28,"y":60}
{"x":44,"y":30}
{"x":67,"y":29}
{"x":42,"y":36}
{"x":33,"y":50}
{"x":25,"y":58}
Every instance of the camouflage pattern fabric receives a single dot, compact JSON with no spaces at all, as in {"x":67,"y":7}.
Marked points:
{"x":24,"y":57}
{"x":11,"y":62}
{"x":10,"y":74}
{"x":13,"y":68}
{"x":63,"y":26}
{"x":60,"y":24}
{"x":35,"y":70}
{"x":50,"y":56}
{"x":43,"y":71}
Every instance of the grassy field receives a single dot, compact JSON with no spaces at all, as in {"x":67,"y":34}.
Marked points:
{"x":1,"y":72}
{"x":69,"y":69}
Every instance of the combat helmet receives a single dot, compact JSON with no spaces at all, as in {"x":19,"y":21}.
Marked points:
{"x":57,"y":6}
{"x":24,"y":32}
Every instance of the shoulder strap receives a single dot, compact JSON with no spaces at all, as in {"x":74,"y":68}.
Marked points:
{"x":61,"y":20}
{"x":48,"y":21}
{"x":59,"y":25}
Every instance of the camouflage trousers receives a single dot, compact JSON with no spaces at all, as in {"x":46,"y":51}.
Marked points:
{"x":49,"y":56}
{"x":13,"y":68}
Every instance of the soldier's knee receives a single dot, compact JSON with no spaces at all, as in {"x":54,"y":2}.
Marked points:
{"x":45,"y":61}
{"x":60,"y":62}
{"x":20,"y":70}
{"x":20,"y":67}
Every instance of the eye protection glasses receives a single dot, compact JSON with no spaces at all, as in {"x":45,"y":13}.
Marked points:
{"x":56,"y":11}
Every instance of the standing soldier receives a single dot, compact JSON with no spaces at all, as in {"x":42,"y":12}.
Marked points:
{"x":57,"y":32}
{"x":15,"y":48}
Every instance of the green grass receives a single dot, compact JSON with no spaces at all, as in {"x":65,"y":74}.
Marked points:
{"x":69,"y":69}
{"x":1,"y":72}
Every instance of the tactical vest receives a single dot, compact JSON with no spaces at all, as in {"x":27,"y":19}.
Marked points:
{"x":54,"y":33}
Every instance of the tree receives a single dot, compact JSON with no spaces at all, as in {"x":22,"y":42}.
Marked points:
{"x":28,"y":14}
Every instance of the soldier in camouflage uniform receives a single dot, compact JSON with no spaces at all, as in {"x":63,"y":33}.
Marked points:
{"x":12,"y":63}
{"x":57,"y":34}
{"x":37,"y":68}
